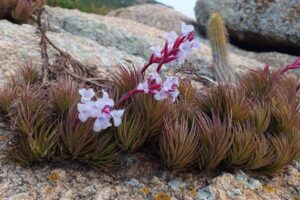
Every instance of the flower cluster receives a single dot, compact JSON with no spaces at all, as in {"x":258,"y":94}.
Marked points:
{"x":160,"y":89}
{"x":100,"y":109}
{"x":176,"y":48}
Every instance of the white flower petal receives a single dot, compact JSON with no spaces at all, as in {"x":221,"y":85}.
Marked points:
{"x":83,"y":116}
{"x":101,"y":123}
{"x":117,"y":116}
{"x":171,"y":37}
{"x":174,"y":94}
{"x":154,"y":76}
{"x":186,"y":29}
{"x":86,"y":94}
{"x":161,"y":95}
{"x":185,"y":46}
{"x":156,"y":51}
{"x":196,"y":44}
{"x":170,"y":82}
{"x":81,"y":107}
{"x":143,"y":87}
{"x":106,"y":100}
{"x":181,"y":59}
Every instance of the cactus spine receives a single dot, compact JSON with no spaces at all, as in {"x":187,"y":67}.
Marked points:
{"x":217,"y":34}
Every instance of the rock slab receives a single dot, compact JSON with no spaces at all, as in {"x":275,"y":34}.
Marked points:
{"x":101,"y":41}
{"x":158,"y":16}
{"x":266,"y":22}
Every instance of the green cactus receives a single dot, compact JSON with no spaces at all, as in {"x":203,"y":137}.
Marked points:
{"x":217,"y":34}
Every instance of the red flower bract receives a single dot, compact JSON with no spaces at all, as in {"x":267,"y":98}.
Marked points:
{"x":169,"y":54}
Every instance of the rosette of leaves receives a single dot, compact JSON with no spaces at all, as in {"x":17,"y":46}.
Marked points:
{"x":260,"y":117}
{"x":249,"y":151}
{"x":142,"y":121}
{"x":8,"y":94}
{"x":124,"y":80}
{"x":143,"y":118}
{"x":132,"y":133}
{"x":153,"y":112}
{"x":35,"y":136}
{"x":225,"y":101}
{"x":282,"y":153}
{"x":78,"y":141}
{"x":178,"y":143}
{"x":63,"y":94}
{"x":188,"y":93}
{"x":215,"y":140}
{"x":284,"y":118}
{"x":259,"y":84}
{"x":107,"y":153}
{"x":40,"y":145}
{"x":242,"y":148}
{"x":28,"y":107}
{"x":29,"y":73}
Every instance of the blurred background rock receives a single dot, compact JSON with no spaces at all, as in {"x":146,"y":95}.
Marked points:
{"x":97,"y":6}
{"x":267,"y":31}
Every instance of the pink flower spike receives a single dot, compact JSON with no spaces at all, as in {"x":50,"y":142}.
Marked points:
{"x":175,"y":50}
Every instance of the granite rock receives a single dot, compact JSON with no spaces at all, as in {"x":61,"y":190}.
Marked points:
{"x":158,"y":16}
{"x":264,"y":22}
{"x":99,"y":41}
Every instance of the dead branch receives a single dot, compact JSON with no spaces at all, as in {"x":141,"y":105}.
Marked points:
{"x":64,"y":63}
{"x":207,"y":81}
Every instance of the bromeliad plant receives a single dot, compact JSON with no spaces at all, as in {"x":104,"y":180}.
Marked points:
{"x":253,"y":124}
{"x":139,"y":127}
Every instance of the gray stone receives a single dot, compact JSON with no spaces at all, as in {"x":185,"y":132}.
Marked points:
{"x":168,"y":19}
{"x":133,"y":182}
{"x":274,"y":22}
{"x":248,"y":182}
{"x":206,"y":194}
{"x":158,"y":16}
{"x":234,"y":193}
{"x":176,"y":185}
{"x":98,"y":41}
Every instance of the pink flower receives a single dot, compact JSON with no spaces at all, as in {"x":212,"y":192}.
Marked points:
{"x":160,"y":89}
{"x":154,"y":76}
{"x":86,"y":95}
{"x":156,"y":52}
{"x":144,"y":87}
{"x":175,"y":50}
{"x":169,"y":88}
{"x":101,"y":109}
{"x":186,"y":29}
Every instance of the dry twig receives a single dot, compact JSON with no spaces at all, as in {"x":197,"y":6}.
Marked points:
{"x":64,"y":62}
